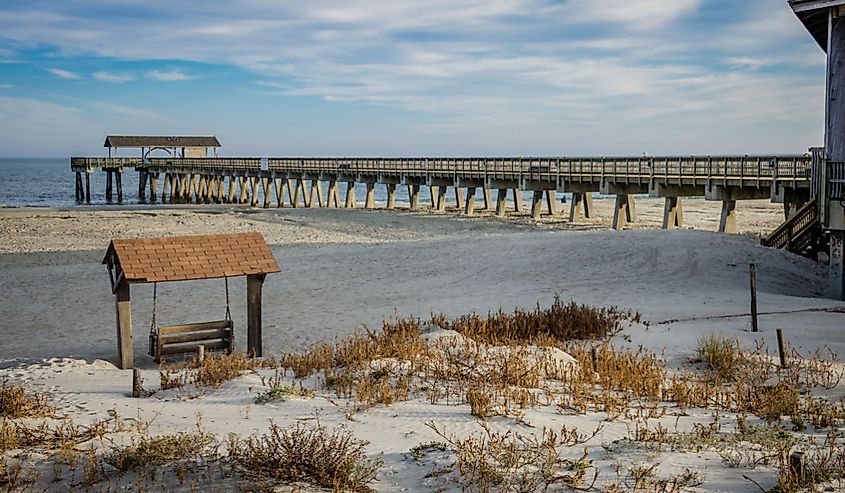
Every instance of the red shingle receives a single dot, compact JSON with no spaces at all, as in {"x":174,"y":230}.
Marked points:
{"x":192,"y":257}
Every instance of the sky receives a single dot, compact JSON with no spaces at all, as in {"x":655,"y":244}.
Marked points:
{"x":411,"y":77}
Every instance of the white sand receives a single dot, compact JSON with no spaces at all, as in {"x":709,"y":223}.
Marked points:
{"x":344,"y":268}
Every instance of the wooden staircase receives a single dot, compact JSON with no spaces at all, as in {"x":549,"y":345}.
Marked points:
{"x":801,"y":234}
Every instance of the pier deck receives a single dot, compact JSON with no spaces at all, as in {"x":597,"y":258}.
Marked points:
{"x":784,"y":179}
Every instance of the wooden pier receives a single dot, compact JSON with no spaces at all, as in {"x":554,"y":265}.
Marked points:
{"x":313,"y":182}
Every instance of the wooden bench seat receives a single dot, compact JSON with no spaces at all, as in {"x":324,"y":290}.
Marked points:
{"x":186,"y":338}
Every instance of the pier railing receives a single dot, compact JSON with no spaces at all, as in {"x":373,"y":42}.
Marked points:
{"x":693,"y":170}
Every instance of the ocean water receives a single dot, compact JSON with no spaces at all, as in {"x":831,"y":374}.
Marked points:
{"x":49,"y":182}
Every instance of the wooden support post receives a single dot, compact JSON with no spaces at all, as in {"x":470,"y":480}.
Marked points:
{"x":727,"y":221}
{"x":371,"y":195}
{"x":781,"y":349}
{"x":230,"y":199}
{"x":299,"y":191}
{"x":797,"y":468}
{"x":173,"y":188}
{"x":469,"y":210}
{"x":517,"y":200}
{"x":752,"y":270}
{"x":280,"y":185}
{"x":581,"y":202}
{"x":414,"y":196}
{"x":244,"y":193}
{"x":433,"y":193}
{"x":488,"y":202}
{"x":536,"y":204}
{"x":220,"y":189}
{"x":623,"y":212}
{"x":501,"y":201}
{"x":321,"y":200}
{"x":202,"y":187}
{"x":441,"y":198}
{"x":551,"y":202}
{"x":200,"y":353}
{"x":192,"y":187}
{"x":153,"y":187}
{"x":108,"y":185}
{"x":137,"y":383}
{"x":123,"y":316}
{"x":79,"y":192}
{"x":459,"y":200}
{"x":118,"y":178}
{"x":672,"y":215}
{"x":350,"y":195}
{"x":391,"y":195}
{"x":183,"y":187}
{"x":265,"y":183}
{"x":142,"y":185}
{"x":87,"y":187}
{"x":332,"y":200}
{"x":254,"y":284}
{"x":254,"y":185}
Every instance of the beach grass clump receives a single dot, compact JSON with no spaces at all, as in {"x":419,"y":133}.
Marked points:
{"x":305,"y":453}
{"x":149,"y":451}
{"x":210,"y":373}
{"x":561,"y":322}
{"x":281,"y":393}
{"x":17,"y":402}
{"x":721,"y":355}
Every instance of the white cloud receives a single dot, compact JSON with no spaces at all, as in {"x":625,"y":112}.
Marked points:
{"x":64,"y":74}
{"x":112,"y":77}
{"x":167,"y":75}
{"x":6,"y":86}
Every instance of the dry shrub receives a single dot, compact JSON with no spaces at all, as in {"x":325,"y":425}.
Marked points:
{"x":210,"y":373}
{"x":480,"y":402}
{"x":561,"y":322}
{"x":493,"y":461}
{"x":772,"y":402}
{"x":53,"y":435}
{"x":16,"y":402}
{"x":156,"y":451}
{"x":305,"y":453}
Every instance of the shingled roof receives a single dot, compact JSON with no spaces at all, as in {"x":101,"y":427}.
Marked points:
{"x":160,"y":141}
{"x":183,"y":258}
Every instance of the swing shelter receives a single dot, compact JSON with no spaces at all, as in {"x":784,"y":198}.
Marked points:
{"x":184,"y":258}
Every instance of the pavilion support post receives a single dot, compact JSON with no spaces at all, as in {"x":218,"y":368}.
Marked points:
{"x":201,"y":189}
{"x":371,"y":195}
{"x":265,"y":183}
{"x":551,"y":202}
{"x":459,"y":200}
{"x":623,"y":212}
{"x":87,"y":187}
{"x":414,"y":196}
{"x":433,"y":191}
{"x":581,"y":202}
{"x":835,"y":144}
{"x":211,"y":190}
{"x":488,"y":201}
{"x":470,"y":204}
{"x":321,"y":200}
{"x":254,"y":283}
{"x":836,"y":282}
{"x":391,"y":195}
{"x":221,"y":189}
{"x":673,"y":216}
{"x":727,"y":220}
{"x":536,"y":204}
{"x":192,"y":187}
{"x":332,"y":200}
{"x":153,"y":187}
{"x":441,"y":198}
{"x":291,"y":188}
{"x":172,"y":188}
{"x":80,"y":193}
{"x":123,"y":313}
{"x":517,"y":200}
{"x":142,"y":185}
{"x":501,"y":201}
{"x":108,"y":185}
{"x":118,"y":178}
{"x":350,"y":195}
{"x":243,"y":196}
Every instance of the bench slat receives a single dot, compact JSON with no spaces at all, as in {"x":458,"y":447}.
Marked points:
{"x":198,"y":335}
{"x":211,"y":345}
{"x":176,"y":329}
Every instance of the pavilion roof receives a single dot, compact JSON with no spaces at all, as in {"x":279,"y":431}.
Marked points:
{"x":160,"y":141}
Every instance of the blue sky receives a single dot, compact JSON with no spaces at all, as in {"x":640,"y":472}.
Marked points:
{"x":413,"y":77}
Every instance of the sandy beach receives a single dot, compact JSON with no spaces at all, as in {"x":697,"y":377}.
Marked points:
{"x":344,"y":269}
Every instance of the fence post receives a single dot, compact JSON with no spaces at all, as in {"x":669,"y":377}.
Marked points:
{"x":753,"y":272}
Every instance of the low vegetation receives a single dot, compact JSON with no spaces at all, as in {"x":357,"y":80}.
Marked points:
{"x":17,"y":402}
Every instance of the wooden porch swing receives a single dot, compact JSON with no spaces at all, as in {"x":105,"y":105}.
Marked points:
{"x":182,"y":258}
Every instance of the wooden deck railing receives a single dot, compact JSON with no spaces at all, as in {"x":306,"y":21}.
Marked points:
{"x":792,"y":230}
